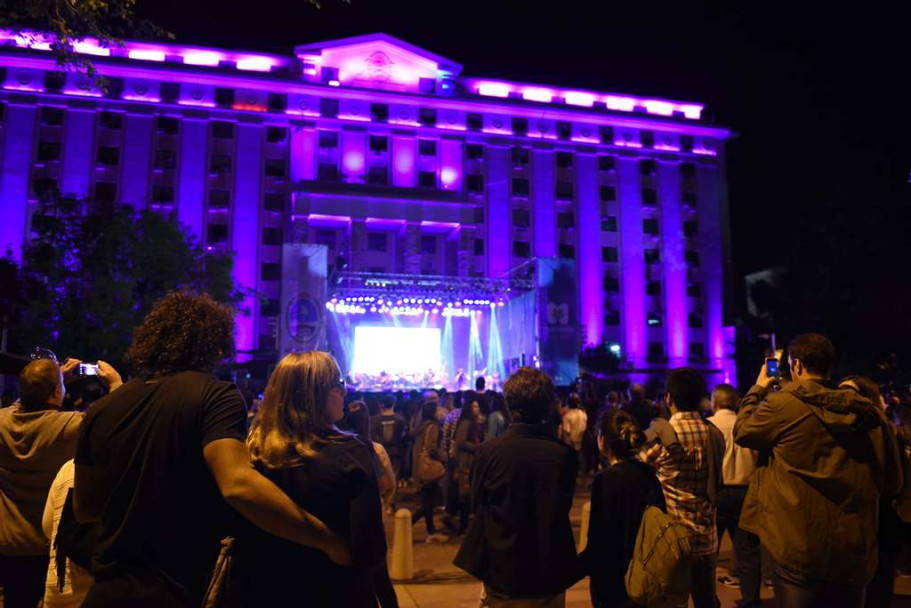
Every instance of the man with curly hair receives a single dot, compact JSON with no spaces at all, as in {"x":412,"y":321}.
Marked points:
{"x":159,"y":462}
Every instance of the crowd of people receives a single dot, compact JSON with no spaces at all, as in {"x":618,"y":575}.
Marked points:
{"x":170,"y":476}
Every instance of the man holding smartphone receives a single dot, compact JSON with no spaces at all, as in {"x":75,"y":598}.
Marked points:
{"x":831,"y":456}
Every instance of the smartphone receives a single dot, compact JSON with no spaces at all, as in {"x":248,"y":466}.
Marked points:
{"x":771,"y":367}
{"x":87,"y":369}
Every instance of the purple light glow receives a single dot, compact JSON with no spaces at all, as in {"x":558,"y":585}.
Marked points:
{"x":82,"y":92}
{"x":448,"y":176}
{"x":199,"y":103}
{"x":146,"y":55}
{"x":493,"y":89}
{"x":206,"y":58}
{"x":147,"y":98}
{"x":381,"y":223}
{"x":255,"y":64}
{"x":580,"y":99}
{"x":536,"y":94}
{"x":316,"y":219}
{"x":34,"y":88}
{"x":622,"y":104}
{"x":35,"y":42}
{"x":91,"y":47}
{"x":662,"y":108}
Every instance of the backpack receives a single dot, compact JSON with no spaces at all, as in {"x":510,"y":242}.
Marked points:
{"x":662,"y":559}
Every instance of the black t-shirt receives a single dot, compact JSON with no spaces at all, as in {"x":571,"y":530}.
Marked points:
{"x":163,"y":515}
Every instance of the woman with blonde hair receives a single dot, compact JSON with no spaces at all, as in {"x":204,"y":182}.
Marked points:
{"x":332,"y":474}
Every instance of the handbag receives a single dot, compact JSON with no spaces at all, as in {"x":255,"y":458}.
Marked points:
{"x":218,"y":593}
{"x":429,"y":469}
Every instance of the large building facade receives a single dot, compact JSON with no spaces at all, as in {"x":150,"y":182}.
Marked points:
{"x":388,"y":156}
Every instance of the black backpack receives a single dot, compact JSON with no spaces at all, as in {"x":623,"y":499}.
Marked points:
{"x":74,"y":541}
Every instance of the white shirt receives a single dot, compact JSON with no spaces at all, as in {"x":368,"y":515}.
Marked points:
{"x":78,"y":580}
{"x":739,"y":463}
{"x":574,"y":423}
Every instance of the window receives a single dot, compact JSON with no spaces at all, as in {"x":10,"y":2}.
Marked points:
{"x":687,"y":169}
{"x":163,"y":194}
{"x":693,"y":290}
{"x":697,"y":351}
{"x":168,"y":125}
{"x":606,"y":134}
{"x":276,"y":135}
{"x":652,"y":256}
{"x":378,"y":176}
{"x":654,"y":319}
{"x":327,"y":172}
{"x":566,"y":219}
{"x":277,"y":102}
{"x":649,"y":196}
{"x":689,"y":199}
{"x":521,"y":218}
{"x":478,"y":215}
{"x":111,"y":120}
{"x":271,"y":271}
{"x":328,"y":108}
{"x":270,"y":308}
{"x":564,"y":130}
{"x":609,"y":254}
{"x":520,"y":249}
{"x":328,"y":139}
{"x":566,"y":251}
{"x":609,"y":223}
{"x":479,"y":246}
{"x":655,"y":351}
{"x":612,"y":317}
{"x":115,"y":88}
{"x":428,"y":244}
{"x":647,"y":166}
{"x":266,"y":342}
{"x":652,"y":288}
{"x":52,"y":117}
{"x":165,"y":159}
{"x":690,"y":228}
{"x":54,"y":81}
{"x":519,"y":186}
{"x":694,"y":320}
{"x":519,"y":126}
{"x":427,"y":147}
{"x":474,"y":151}
{"x":427,"y":117}
{"x":379,"y":144}
{"x":224,"y":98}
{"x":219,"y":199}
{"x":218,"y":233}
{"x":475,"y":184}
{"x":606,"y":163}
{"x":376,"y":241}
{"x":44,"y":187}
{"x":564,"y":160}
{"x":611,"y":285}
{"x":48,"y":151}
{"x":275,"y":167}
{"x":170,"y":92}
{"x":222,"y":130}
{"x":379,"y":112}
{"x":686,"y":143}
{"x":272,"y":236}
{"x":691,"y":257}
{"x":220,"y":164}
{"x":427,"y":179}
{"x":274,"y":201}
{"x":520,"y":156}
{"x":564,"y":190}
{"x":325,"y":237}
{"x":608,"y":193}
{"x":650,"y":226}
{"x":106,"y":192}
{"x":647,"y":139}
{"x":108,"y":156}
{"x":475,"y":122}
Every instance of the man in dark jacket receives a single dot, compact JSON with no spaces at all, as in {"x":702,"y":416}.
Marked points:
{"x":830,"y":458}
{"x":520,"y":543}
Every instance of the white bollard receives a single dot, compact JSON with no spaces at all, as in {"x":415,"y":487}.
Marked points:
{"x":583,"y":531}
{"x":402,"y":566}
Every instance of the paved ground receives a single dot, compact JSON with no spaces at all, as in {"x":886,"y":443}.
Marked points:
{"x":439,"y":584}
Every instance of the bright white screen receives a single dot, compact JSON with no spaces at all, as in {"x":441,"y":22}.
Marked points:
{"x":395,"y":349}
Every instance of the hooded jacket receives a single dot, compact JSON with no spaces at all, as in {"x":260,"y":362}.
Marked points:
{"x":826,"y":457}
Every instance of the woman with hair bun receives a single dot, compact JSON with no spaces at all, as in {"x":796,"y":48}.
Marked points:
{"x":620,"y":494}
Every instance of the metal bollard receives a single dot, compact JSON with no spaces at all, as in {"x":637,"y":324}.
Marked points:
{"x":402,"y":565}
{"x":583,"y":531}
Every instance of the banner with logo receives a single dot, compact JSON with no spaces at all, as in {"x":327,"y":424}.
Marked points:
{"x":558,"y":319}
{"x":303,"y":300}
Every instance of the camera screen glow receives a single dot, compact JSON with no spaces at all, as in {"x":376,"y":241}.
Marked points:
{"x":395,"y":350}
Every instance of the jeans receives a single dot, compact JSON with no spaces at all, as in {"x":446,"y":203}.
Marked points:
{"x":702,"y":585}
{"x":22,"y":579}
{"x":746,"y":544}
{"x":428,"y":502}
{"x":794,"y":590}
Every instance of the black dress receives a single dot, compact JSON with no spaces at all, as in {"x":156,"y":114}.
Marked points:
{"x":339,"y":486}
{"x":620,"y":495}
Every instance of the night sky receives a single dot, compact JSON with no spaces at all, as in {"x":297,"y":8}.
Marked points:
{"x":819,"y":171}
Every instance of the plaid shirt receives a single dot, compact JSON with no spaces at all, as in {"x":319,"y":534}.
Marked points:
{"x":449,"y":429}
{"x":683,"y":471}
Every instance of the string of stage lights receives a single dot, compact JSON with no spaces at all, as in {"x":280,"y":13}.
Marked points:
{"x":411,"y":307}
